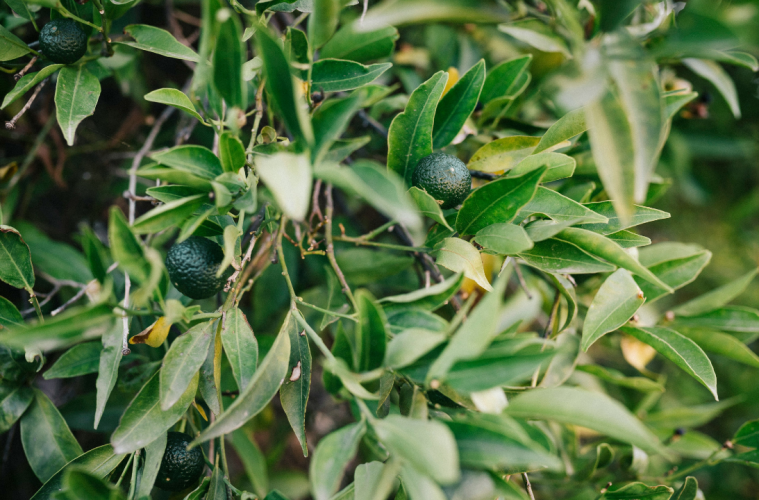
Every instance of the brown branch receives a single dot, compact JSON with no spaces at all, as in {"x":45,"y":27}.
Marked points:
{"x":331,"y":247}
{"x":12,"y":124}
{"x":21,"y":73}
{"x":527,"y":485}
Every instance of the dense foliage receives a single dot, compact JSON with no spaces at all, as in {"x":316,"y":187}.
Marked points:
{"x":530,"y":341}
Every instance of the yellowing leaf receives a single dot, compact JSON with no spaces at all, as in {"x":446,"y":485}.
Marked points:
{"x":154,"y":335}
{"x":453,"y":77}
{"x":637,"y":353}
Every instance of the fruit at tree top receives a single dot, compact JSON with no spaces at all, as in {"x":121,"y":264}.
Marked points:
{"x":192,"y":267}
{"x":444,"y":177}
{"x":180,"y":468}
{"x":63,"y":41}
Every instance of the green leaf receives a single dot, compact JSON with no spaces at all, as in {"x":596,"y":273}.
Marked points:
{"x":615,"y":303}
{"x":689,"y":490}
{"x":637,"y":78}
{"x":638,"y":491}
{"x":559,"y":208}
{"x":640,"y":215}
{"x":428,"y":206}
{"x":298,"y":52}
{"x":144,"y":421}
{"x":217,"y":490}
{"x":504,"y":79}
{"x":674,"y":101}
{"x":16,"y":262}
{"x":263,"y":386}
{"x":14,"y":400}
{"x":279,"y":84}
{"x":374,"y":480}
{"x":748,"y":434}
{"x":182,"y":362}
{"x":503,"y":154}
{"x":430,"y":11}
{"x":429,"y":446}
{"x":715,"y":298}
{"x":165,"y":174}
{"x":195,"y":160}
{"x":497,"y":202}
{"x":556,"y":256}
{"x":460,"y":256}
{"x":27,"y":82}
{"x":175,"y":98}
{"x":168,"y":215}
{"x":240,"y":347}
{"x":70,"y":327}
{"x":566,"y":127}
{"x":9,"y":315}
{"x":429,"y":298}
{"x":100,"y":461}
{"x":76,"y":95}
{"x":81,"y":484}
{"x":713,"y":72}
{"x":79,"y":360}
{"x":231,"y":153}
{"x":295,"y":390}
{"x":680,"y":350}
{"x":503,"y":239}
{"x":322,"y":22}
{"x":457,"y":105}
{"x":125,"y":247}
{"x":410,"y":345}
{"x":20,"y":8}
{"x":628,"y":239}
{"x":410,"y":134}
{"x":536,"y":34}
{"x":331,"y":457}
{"x":252,"y":459}
{"x":418,"y":486}
{"x":593,"y":410}
{"x":723,"y":344}
{"x":676,"y":273}
{"x":55,"y":258}
{"x":383,"y":189}
{"x":560,"y":166}
{"x":495,"y":369}
{"x":728,"y":319}
{"x":228,"y":58}
{"x":158,"y":41}
{"x":153,"y":457}
{"x":351,"y":42}
{"x":484,"y":445}
{"x":330,"y":121}
{"x":289,"y":177}
{"x":613,"y":151}
{"x":617,"y":378}
{"x":473,"y":337}
{"x":11,"y":46}
{"x":48,"y":442}
{"x":600,"y":246}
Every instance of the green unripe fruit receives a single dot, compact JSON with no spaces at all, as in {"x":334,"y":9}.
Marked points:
{"x":180,"y":468}
{"x":62,"y":41}
{"x":444,"y":177}
{"x":192,"y":267}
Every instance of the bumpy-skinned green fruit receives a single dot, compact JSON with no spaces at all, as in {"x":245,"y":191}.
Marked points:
{"x":62,"y":41}
{"x":192,"y":267}
{"x":444,"y":177}
{"x":180,"y":468}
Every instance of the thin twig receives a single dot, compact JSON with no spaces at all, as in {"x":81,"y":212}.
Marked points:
{"x":259,"y":115}
{"x":331,"y":247}
{"x":527,"y":485}
{"x":12,"y":124}
{"x":21,"y":73}
{"x":522,"y":282}
{"x":73,"y":299}
{"x":368,"y":120}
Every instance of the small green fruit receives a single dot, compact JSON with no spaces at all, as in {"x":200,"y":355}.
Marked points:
{"x":192,"y":267}
{"x":180,"y":468}
{"x":444,"y":177}
{"x":62,"y":41}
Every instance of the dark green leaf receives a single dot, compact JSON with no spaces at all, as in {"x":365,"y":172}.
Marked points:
{"x":11,"y":46}
{"x":676,"y":272}
{"x":497,"y":202}
{"x":168,"y":215}
{"x":14,"y":400}
{"x":240,"y":347}
{"x":504,"y":239}
{"x":322,"y":22}
{"x":298,"y":52}
{"x":231,"y":152}
{"x":556,"y":256}
{"x":689,"y":490}
{"x":503,"y":79}
{"x":9,"y":315}
{"x":640,"y":215}
{"x":336,"y":75}
{"x":159,"y":41}
{"x":723,"y":344}
{"x":628,"y":239}
{"x":252,"y":459}
{"x":410,"y":345}
{"x":144,"y":421}
{"x":429,"y":298}
{"x":615,"y":303}
{"x":48,"y":442}
{"x":410,"y":134}
{"x":261,"y":389}
{"x":638,"y":491}
{"x":175,"y":98}
{"x":76,"y":95}
{"x":713,"y":72}
{"x":153,"y":456}
{"x":353,"y":43}
{"x":729,"y":319}
{"x":279,"y":83}
{"x":494,"y":369}
{"x":428,"y":205}
{"x":79,"y":360}
{"x":457,"y":105}
{"x":593,"y":410}
{"x":371,"y":335}
{"x":748,"y":434}
{"x":560,"y":166}
{"x":28,"y":81}
{"x":330,"y":458}
{"x":716,"y":298}
{"x":559,"y":208}
{"x":568,"y":126}
{"x":108,"y":370}
{"x":295,"y":390}
{"x":228,"y":58}
{"x":329,"y":122}
{"x":195,"y":160}
{"x":680,"y":350}
{"x":16,"y":262}
{"x":182,"y":362}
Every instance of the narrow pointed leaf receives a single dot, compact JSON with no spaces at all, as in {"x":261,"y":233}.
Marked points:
{"x":723,"y":344}
{"x":640,"y":215}
{"x":15,"y":259}
{"x":196,"y":160}
{"x":240,"y":347}
{"x":568,"y":126}
{"x":76,"y":95}
{"x":428,"y":206}
{"x":158,"y":41}
{"x":108,"y":368}
{"x":680,"y":350}
{"x":559,"y":208}
{"x":503,"y":79}
{"x":331,"y":457}
{"x":457,"y":105}
{"x":228,"y":58}
{"x":676,"y":273}
{"x":713,"y":72}
{"x":728,"y":319}
{"x":295,"y":390}
{"x":503,"y":154}
{"x":504,"y":239}
{"x":337,"y":75}
{"x":28,"y":81}
{"x":615,"y":303}
{"x":560,"y":166}
{"x":153,"y":457}
{"x":175,"y":98}
{"x":14,"y":400}
{"x":557,"y":256}
{"x":182,"y":362}
{"x":716,"y":298}
{"x":460,"y":256}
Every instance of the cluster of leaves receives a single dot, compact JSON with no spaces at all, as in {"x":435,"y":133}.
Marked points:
{"x":459,"y":383}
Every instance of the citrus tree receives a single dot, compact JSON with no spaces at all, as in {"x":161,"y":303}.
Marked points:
{"x":431,"y":213}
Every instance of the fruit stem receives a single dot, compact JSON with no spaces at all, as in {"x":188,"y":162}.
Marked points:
{"x":66,"y":13}
{"x":104,"y":21}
